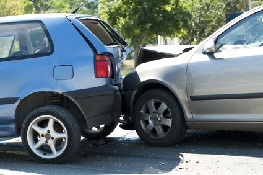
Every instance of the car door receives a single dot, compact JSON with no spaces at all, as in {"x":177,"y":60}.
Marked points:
{"x":227,"y":85}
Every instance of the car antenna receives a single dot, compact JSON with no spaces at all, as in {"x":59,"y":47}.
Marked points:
{"x":77,"y":9}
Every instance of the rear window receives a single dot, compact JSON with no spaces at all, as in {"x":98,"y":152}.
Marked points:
{"x":26,"y":39}
{"x":97,"y":28}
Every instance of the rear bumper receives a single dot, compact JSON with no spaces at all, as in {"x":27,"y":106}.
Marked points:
{"x":100,"y":105}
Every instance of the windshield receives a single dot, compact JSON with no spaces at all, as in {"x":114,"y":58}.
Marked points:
{"x":246,"y":33}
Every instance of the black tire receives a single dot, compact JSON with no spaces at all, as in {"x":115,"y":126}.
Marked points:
{"x":161,"y":124}
{"x":99,"y":132}
{"x":51,"y":127}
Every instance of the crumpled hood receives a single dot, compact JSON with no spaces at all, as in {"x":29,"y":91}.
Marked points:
{"x":152,"y":66}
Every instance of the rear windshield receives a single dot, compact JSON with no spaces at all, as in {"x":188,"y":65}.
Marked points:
{"x":100,"y":31}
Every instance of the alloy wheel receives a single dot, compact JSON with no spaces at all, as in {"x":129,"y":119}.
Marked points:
{"x":155,"y":118}
{"x":47,"y":136}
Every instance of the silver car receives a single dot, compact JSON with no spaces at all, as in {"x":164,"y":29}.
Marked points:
{"x":218,"y":85}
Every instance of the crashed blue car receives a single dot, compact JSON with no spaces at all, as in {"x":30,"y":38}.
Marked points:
{"x":60,"y":80}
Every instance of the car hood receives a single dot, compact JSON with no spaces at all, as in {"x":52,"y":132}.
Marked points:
{"x":169,"y":71}
{"x":163,"y":64}
{"x":152,"y":53}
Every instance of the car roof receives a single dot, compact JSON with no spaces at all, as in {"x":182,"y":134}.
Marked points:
{"x":30,"y":17}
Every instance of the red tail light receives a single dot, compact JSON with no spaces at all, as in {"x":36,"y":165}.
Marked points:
{"x":103,"y":68}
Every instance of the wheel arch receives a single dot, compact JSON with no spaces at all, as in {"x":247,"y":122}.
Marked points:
{"x":39,"y":99}
{"x":155,"y":84}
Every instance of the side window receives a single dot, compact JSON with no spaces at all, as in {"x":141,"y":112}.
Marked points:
{"x":6,"y":45}
{"x":27,"y":39}
{"x":39,"y":40}
{"x":244,"y":34}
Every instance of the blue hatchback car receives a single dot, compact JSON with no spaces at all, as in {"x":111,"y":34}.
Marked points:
{"x":60,"y":78}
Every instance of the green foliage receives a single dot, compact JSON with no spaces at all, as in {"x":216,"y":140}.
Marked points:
{"x":10,"y":7}
{"x":140,"y":20}
{"x":209,"y":15}
{"x":60,"y":6}
{"x":206,"y":17}
{"x":257,"y":3}
{"x":236,"y":5}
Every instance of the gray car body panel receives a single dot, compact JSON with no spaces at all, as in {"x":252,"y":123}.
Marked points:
{"x":172,"y":74}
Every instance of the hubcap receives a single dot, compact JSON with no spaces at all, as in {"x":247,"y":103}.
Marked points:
{"x":47,"y":136}
{"x":155,"y":118}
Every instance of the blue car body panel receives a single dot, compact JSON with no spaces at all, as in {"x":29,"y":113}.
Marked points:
{"x":69,"y":68}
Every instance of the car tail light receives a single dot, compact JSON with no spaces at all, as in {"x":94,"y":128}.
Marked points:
{"x":103,"y":68}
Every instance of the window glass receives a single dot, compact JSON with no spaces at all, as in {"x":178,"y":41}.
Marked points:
{"x":99,"y":31}
{"x":6,"y":44}
{"x":38,"y":39}
{"x":246,"y":33}
{"x":23,"y":40}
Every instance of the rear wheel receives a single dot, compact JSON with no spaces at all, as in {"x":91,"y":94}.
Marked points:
{"x":51,"y":134}
{"x":158,"y":118}
{"x":100,"y":131}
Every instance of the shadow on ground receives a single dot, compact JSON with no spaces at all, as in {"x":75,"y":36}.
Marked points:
{"x":124,"y":156}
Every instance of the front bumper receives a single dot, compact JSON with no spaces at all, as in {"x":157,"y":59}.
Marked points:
{"x":126,"y":103}
{"x":130,"y":84}
{"x":100,"y":105}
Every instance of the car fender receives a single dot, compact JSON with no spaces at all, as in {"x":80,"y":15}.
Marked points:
{"x":169,"y":73}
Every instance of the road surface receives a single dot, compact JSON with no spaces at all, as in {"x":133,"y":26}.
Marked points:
{"x":200,"y":153}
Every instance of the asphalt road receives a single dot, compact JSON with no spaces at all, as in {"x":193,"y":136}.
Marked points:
{"x":201,"y":152}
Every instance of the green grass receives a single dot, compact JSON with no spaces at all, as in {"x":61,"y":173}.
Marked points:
{"x":127,"y":67}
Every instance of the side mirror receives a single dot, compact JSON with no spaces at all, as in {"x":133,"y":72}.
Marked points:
{"x":209,"y":47}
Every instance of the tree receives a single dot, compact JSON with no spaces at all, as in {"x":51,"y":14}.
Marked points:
{"x":256,"y":3}
{"x":209,"y":15}
{"x":206,"y":17}
{"x":44,"y":6}
{"x":10,"y":7}
{"x":236,"y":6}
{"x":60,"y":6}
{"x":143,"y":20}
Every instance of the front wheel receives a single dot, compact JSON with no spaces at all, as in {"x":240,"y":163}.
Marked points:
{"x":51,"y":134}
{"x":158,"y":118}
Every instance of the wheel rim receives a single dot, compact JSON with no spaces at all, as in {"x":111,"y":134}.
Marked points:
{"x":47,"y":136}
{"x":155,"y":118}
